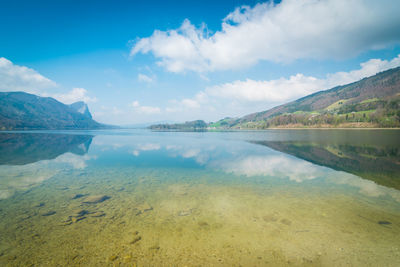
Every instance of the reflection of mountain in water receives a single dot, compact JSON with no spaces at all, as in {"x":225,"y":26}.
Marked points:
{"x":380,"y":164}
{"x":24,"y":148}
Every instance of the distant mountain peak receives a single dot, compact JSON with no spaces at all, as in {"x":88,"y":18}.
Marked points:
{"x":82,"y":108}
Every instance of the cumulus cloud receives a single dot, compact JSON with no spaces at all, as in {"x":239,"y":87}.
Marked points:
{"x":76,"y":94}
{"x":249,"y":95}
{"x":20,"y":78}
{"x":145,"y":109}
{"x":281,"y":32}
{"x":145,"y":78}
{"x":368,"y":68}
{"x":273,"y":91}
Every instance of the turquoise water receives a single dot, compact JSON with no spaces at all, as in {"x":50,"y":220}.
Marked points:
{"x":136,"y":197}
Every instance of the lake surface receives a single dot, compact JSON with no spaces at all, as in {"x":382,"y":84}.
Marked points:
{"x":136,"y":197}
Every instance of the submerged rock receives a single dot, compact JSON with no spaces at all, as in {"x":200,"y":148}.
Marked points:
{"x":97,"y":214}
{"x":95,"y":199}
{"x":143,"y":208}
{"x":154,"y":247}
{"x":286,"y":221}
{"x":77,"y":219}
{"x":203,"y":224}
{"x":113,"y":258}
{"x":185,"y":212}
{"x":49,"y":213}
{"x":79,"y":213}
{"x":78,"y":196}
{"x":76,"y":216}
{"x":136,"y":239}
{"x":270,"y":218}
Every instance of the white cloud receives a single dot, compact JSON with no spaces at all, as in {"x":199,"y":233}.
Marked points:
{"x":76,"y":94}
{"x":145,"y":78}
{"x":279,"y":90}
{"x":281,"y":32}
{"x":149,"y":110}
{"x":251,"y":95}
{"x":20,"y":78}
{"x":368,"y":68}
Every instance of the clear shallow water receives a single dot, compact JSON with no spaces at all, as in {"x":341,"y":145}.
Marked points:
{"x":126,"y":197}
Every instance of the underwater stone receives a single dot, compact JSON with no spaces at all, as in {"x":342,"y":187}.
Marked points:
{"x":113,"y":258}
{"x":286,"y":221}
{"x":77,"y":219}
{"x":155,"y":247}
{"x":80,"y":213}
{"x":270,"y":218}
{"x":143,"y":208}
{"x":203,"y":224}
{"x":185,"y":212}
{"x":136,"y":239}
{"x":78,"y":196}
{"x":49,"y":213}
{"x":95,"y":199}
{"x":97,"y":214}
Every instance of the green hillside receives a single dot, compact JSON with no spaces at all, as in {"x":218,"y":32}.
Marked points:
{"x":22,"y":111}
{"x":370,"y":102}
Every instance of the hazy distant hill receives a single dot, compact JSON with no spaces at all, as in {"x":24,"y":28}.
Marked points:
{"x":372,"y":101}
{"x":22,"y":111}
{"x":198,"y":125}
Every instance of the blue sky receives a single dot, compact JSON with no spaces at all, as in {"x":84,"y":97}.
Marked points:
{"x":148,"y":61}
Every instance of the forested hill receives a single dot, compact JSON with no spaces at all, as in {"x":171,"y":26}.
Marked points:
{"x":370,"y":102}
{"x":23,"y":111}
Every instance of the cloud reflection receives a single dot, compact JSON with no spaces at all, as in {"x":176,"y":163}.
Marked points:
{"x":16,"y":178}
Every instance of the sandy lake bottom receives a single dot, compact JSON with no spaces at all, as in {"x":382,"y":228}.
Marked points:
{"x":133,"y":200}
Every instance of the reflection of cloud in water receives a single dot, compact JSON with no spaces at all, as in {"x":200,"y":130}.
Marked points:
{"x":149,"y":147}
{"x":199,"y":154}
{"x":298,"y":170}
{"x":75,"y":161}
{"x":24,"y":177}
{"x":367,"y":187}
{"x":145,"y":147}
{"x":273,"y":165}
{"x":201,"y":157}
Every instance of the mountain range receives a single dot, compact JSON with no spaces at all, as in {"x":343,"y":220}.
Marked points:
{"x":23,"y":111}
{"x":370,"y":102}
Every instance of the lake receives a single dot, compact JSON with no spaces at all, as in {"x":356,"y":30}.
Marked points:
{"x":244,"y":198}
